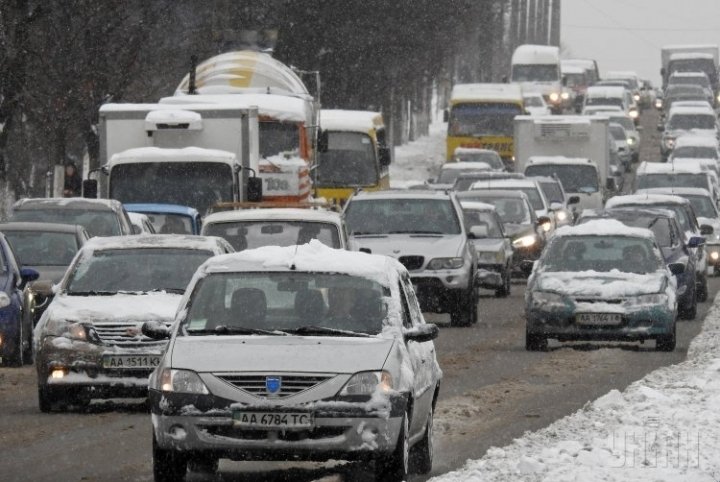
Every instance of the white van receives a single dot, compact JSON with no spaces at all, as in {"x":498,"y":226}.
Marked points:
{"x":537,"y":69}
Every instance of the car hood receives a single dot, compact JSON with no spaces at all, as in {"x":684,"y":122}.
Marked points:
{"x":115,"y":308}
{"x":396,"y":245}
{"x":593,"y":284}
{"x":488,"y":244}
{"x":695,"y":132}
{"x":280,"y":353}
{"x":516,"y":230}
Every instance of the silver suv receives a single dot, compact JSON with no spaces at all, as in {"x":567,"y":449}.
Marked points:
{"x":424,"y":231}
{"x":299,"y":352}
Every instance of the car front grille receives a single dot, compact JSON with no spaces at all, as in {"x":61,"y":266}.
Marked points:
{"x":412,"y":262}
{"x":123,"y":334}
{"x":610,"y":301}
{"x":289,"y":384}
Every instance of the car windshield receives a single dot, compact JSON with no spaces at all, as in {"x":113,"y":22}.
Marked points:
{"x":695,"y":152}
{"x":255,"y":234}
{"x":553,"y":191}
{"x":402,"y":216}
{"x":512,"y":210}
{"x":37,"y":248}
{"x":535,"y":73}
{"x":448,"y":176}
{"x":618,"y":133}
{"x":626,"y":122}
{"x":574,"y":178}
{"x":576,"y":80}
{"x":691,"y":121}
{"x":486,"y":220}
{"x":490,"y":158}
{"x":661,"y":227}
{"x":702,"y":81}
{"x":278,"y":137}
{"x":349,"y":160}
{"x":703,"y":206}
{"x":97,"y":223}
{"x":534,"y":101}
{"x":695,"y":65}
{"x":477,"y":119}
{"x":682,"y":216}
{"x":603,"y":253}
{"x":171,"y":223}
{"x":648,"y":181}
{"x":616,"y":101}
{"x":135,"y":270}
{"x":326,"y":304}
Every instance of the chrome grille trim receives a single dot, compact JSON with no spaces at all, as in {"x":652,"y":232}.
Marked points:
{"x":118,"y":333}
{"x":292,"y":384}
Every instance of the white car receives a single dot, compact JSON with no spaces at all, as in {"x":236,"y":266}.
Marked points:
{"x":88,"y":342}
{"x":298,"y":352}
{"x":535,"y":104}
{"x":700,"y":147}
{"x":450,"y":171}
{"x":254,"y":228}
{"x":697,"y":121}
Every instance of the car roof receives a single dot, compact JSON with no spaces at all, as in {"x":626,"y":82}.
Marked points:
{"x":685,"y":110}
{"x":650,"y":210}
{"x":474,"y":150}
{"x":495,"y":193}
{"x":504,"y":183}
{"x":153,"y":241}
{"x":685,"y":167}
{"x":274,"y":214}
{"x":606,"y":91}
{"x":402,"y":194}
{"x":678,"y":191}
{"x":603,"y":227}
{"x":156,"y":208}
{"x":699,"y":141}
{"x":68,"y":203}
{"x":41,"y":227}
{"x":465,"y":166}
{"x":312,"y":257}
{"x":544,"y":160}
{"x":644,"y":199}
{"x":350,"y":120}
{"x":476,"y":205}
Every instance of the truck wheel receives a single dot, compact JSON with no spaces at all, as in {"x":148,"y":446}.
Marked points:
{"x":168,"y":465}
{"x":396,"y":466}
{"x":15,"y":358}
{"x":534,"y":342}
{"x":464,"y":310}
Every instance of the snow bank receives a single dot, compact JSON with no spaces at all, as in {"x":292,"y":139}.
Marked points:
{"x":664,"y":427}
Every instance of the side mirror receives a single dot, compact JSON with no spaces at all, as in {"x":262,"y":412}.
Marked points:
{"x":385,"y":155}
{"x":676,"y":268}
{"x":365,"y":250}
{"x":254,"y":189}
{"x":696,"y":241}
{"x":478,"y":232}
{"x":27,"y":275}
{"x":446,"y":115}
{"x":90,"y":188}
{"x":556,"y":206}
{"x":422,"y":333}
{"x":706,"y":230}
{"x":155,"y":330}
{"x":322,"y":143}
{"x":574,"y":200}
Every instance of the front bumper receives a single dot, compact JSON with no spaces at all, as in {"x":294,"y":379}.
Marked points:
{"x":82,"y":366}
{"x":342,"y":430}
{"x":489,"y":276}
{"x":438,"y":291}
{"x":643,"y":323}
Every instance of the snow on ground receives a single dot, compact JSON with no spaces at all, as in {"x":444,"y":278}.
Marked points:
{"x":665,"y":427}
{"x":416,"y":161}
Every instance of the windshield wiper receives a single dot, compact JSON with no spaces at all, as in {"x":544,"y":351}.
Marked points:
{"x":420,"y":232}
{"x":362,"y":233}
{"x":236,"y":330}
{"x":92,"y":293}
{"x":179,"y":291}
{"x":323,"y":330}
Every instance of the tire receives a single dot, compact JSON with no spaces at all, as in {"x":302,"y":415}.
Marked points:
{"x":46,"y":398}
{"x":534,"y":342}
{"x":421,"y":456}
{"x":15,"y":358}
{"x":203,"y":464}
{"x":689,"y":312}
{"x":396,"y":466}
{"x":168,"y":465}
{"x":666,"y":342}
{"x":464,"y":310}
{"x":504,"y":291}
{"x":702,"y":289}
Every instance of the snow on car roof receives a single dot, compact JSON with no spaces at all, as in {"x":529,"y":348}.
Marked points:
{"x":311,"y":257}
{"x":688,"y":74}
{"x":402,"y":194}
{"x":159,"y":208}
{"x":605,"y":91}
{"x":489,"y":92}
{"x":555,"y":160}
{"x":350,"y":120}
{"x":274,"y":214}
{"x":476,"y":205}
{"x":643,"y":199}
{"x":603,"y":227}
{"x":691,"y":55}
{"x":595,"y":109}
{"x":68,"y":202}
{"x":687,"y":110}
{"x":697,"y":141}
{"x":177,"y":241}
{"x":536,"y":54}
{"x":280,"y":107}
{"x":571,"y":69}
{"x":671,"y":167}
{"x":556,"y":119}
{"x":503,"y":183}
{"x":40,"y":227}
{"x":161,"y":154}
{"x":465,"y":166}
{"x":677,"y":191}
{"x":490,"y":193}
{"x":474,"y":150}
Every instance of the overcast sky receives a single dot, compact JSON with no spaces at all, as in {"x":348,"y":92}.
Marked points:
{"x":628,"y":34}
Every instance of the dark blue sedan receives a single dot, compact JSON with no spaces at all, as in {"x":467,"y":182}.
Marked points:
{"x":15,"y":324}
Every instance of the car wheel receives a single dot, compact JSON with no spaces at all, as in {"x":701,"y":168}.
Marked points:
{"x":168,"y":465}
{"x":396,"y":466}
{"x":535,"y":342}
{"x":422,"y":453}
{"x":46,"y":398}
{"x":702,"y":289}
{"x":689,"y":311}
{"x":504,"y":291}
{"x":464,"y":310}
{"x":666,"y":342}
{"x":203,"y":464}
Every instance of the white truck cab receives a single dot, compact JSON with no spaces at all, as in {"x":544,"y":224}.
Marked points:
{"x":537,"y":69}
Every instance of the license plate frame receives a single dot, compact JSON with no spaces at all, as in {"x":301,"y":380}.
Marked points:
{"x":598,"y":319}
{"x":145,"y":361}
{"x":264,"y":420}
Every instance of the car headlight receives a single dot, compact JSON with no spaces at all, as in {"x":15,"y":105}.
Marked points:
{"x":445,"y":263}
{"x":718,"y":98}
{"x":565,"y":95}
{"x":546,"y":299}
{"x":182,"y":381}
{"x":367,"y":383}
{"x":636,"y":97}
{"x":659,"y":103}
{"x":71,"y":329}
{"x":4,"y":299}
{"x":652,"y":299}
{"x":490,"y":256}
{"x":633,"y":114}
{"x":630,"y":141}
{"x":525,"y":241}
{"x":714,"y":255}
{"x":561,"y":215}
{"x":554,"y":97}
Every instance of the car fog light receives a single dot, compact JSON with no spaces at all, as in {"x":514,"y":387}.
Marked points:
{"x":714,"y":255}
{"x":565,"y":95}
{"x":177,"y":432}
{"x":1,"y":340}
{"x":546,"y":227}
{"x":57,"y":373}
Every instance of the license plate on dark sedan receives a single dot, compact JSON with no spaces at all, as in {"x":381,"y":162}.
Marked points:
{"x":131,"y":362}
{"x":270,"y":420}
{"x":598,"y":319}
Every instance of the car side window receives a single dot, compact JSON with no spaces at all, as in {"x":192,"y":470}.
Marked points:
{"x":412,"y":301}
{"x":406,"y":319}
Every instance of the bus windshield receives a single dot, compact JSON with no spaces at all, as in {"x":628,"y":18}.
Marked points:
{"x":475,"y":120}
{"x":195,"y":184}
{"x":349,"y":161}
